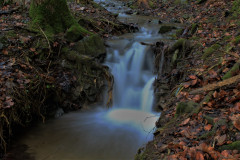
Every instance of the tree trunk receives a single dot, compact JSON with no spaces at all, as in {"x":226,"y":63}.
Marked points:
{"x":53,"y":16}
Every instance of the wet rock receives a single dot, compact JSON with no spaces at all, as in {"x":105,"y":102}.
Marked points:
{"x":174,"y":20}
{"x":165,"y":29}
{"x":92,"y":46}
{"x":59,"y":113}
{"x":129,"y":12}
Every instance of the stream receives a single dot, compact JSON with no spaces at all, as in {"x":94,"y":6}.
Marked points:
{"x":101,"y":133}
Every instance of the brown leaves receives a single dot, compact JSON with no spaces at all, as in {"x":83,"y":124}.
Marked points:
{"x":192,"y":82}
{"x":221,"y":139}
{"x":208,"y":127}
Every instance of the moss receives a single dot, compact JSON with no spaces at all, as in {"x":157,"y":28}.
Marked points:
{"x":211,"y":133}
{"x":177,"y":45}
{"x":179,"y":32}
{"x":232,"y":71}
{"x":226,"y":38}
{"x":165,"y":29}
{"x":91,"y":46}
{"x":186,"y":107}
{"x":236,"y":8}
{"x":233,"y":146}
{"x":209,"y":119}
{"x":209,"y":51}
{"x":236,"y":41}
{"x":76,"y":32}
{"x":53,"y":17}
{"x":194,"y":28}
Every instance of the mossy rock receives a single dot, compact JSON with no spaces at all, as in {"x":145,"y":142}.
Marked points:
{"x":232,"y":146}
{"x":209,"y":51}
{"x":186,"y":107}
{"x":165,"y":29}
{"x":75,"y":33}
{"x":91,"y":46}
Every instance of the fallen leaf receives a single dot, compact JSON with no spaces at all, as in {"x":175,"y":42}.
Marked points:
{"x":199,"y":156}
{"x":193,"y":77}
{"x":221,"y":139}
{"x":236,"y":123}
{"x":208,"y":127}
{"x":185,"y":122}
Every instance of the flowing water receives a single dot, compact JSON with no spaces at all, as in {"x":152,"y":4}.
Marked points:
{"x":108,"y":134}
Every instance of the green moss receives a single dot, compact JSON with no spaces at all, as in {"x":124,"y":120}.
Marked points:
{"x":179,"y":32}
{"x":236,"y":41}
{"x":236,"y":8}
{"x":194,"y":28}
{"x":209,"y":51}
{"x":76,"y":32}
{"x":226,"y":38}
{"x":211,"y":133}
{"x":209,"y":119}
{"x":231,"y":72}
{"x":165,"y":29}
{"x":185,"y":107}
{"x":232,"y":146}
{"x":53,"y":16}
{"x":91,"y":46}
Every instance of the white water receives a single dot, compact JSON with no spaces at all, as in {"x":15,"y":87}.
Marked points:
{"x":107,"y":134}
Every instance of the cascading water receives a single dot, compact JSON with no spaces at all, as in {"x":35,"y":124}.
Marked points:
{"x":108,"y":134}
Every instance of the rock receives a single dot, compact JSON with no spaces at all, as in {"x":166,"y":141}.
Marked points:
{"x":91,"y":46}
{"x":59,"y":113}
{"x":186,"y":107}
{"x":129,"y":12}
{"x":74,"y":33}
{"x":165,"y":29}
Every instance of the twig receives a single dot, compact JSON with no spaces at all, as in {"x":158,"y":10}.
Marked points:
{"x":47,"y":41}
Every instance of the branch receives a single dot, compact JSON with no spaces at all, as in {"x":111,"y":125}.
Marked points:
{"x":211,"y":87}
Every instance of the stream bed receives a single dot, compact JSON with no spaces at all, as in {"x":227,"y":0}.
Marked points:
{"x":116,"y":133}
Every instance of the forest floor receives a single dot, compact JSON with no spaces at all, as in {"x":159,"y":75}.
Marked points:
{"x":199,"y":94}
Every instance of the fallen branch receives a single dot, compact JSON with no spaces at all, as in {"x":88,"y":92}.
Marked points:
{"x":211,"y":87}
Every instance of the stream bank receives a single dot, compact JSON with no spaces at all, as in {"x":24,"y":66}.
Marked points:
{"x":44,"y":77}
{"x":197,"y":88}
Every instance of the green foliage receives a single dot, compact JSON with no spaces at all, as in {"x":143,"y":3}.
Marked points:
{"x":236,"y":8}
{"x":232,"y":146}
